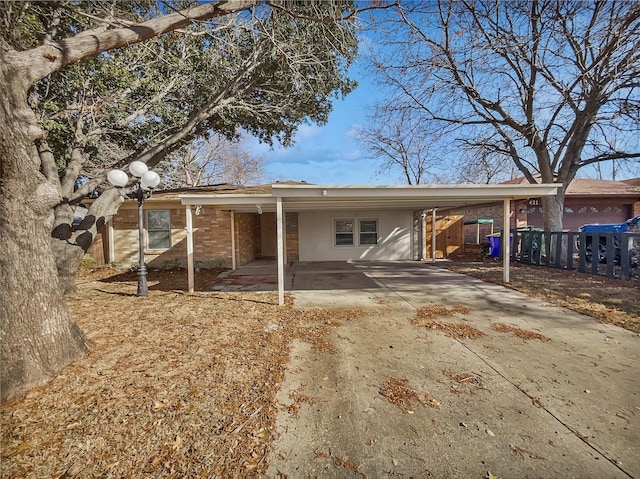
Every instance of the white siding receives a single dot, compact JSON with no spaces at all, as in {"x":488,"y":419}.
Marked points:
{"x":317,"y":241}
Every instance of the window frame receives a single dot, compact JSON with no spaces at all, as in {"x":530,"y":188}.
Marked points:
{"x":356,"y":232}
{"x":150,"y":230}
{"x":366,"y":233}
{"x":345,"y":233}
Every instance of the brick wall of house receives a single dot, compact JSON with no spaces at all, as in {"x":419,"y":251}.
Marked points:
{"x":636,"y":208}
{"x":292,"y":237}
{"x":491,"y":211}
{"x":247,"y":233}
{"x":211,"y":239}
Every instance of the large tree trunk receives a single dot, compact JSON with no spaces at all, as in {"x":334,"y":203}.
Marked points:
{"x":553,"y":211}
{"x":37,"y":334}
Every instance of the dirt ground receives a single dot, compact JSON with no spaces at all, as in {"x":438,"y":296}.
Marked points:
{"x":179,"y":385}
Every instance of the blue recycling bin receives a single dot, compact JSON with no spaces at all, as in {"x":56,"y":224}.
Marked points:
{"x":495,"y":244}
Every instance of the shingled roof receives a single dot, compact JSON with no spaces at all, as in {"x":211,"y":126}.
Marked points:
{"x":223,"y":189}
{"x":589,"y":187}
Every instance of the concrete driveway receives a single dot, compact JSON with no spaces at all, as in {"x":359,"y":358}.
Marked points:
{"x":496,"y":404}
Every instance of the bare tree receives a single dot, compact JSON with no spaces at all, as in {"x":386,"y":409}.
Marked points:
{"x":553,"y":85}
{"x":211,"y":161}
{"x":400,"y":142}
{"x":614,"y":170}
{"x":483,"y":165}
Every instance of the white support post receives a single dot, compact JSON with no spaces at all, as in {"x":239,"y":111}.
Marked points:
{"x":280,"y":243}
{"x":233,"y":240}
{"x":190,"y":272}
{"x":506,"y":240}
{"x":423,"y":236}
{"x":112,"y":245}
{"x":433,"y":235}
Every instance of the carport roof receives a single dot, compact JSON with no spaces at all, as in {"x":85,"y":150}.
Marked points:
{"x":306,"y":197}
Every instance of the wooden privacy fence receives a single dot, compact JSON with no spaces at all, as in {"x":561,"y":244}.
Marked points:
{"x":449,"y":236}
{"x":615,"y":255}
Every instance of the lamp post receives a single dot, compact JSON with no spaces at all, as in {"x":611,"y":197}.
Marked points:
{"x":145,"y":181}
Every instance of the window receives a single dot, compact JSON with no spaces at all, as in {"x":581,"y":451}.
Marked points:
{"x":158,"y":229}
{"x":344,"y":232}
{"x":368,"y":232}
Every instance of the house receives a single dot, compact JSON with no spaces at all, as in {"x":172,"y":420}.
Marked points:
{"x":229,"y":226}
{"x":586,"y":201}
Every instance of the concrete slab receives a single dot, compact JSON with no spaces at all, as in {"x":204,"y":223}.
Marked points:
{"x":567,"y":407}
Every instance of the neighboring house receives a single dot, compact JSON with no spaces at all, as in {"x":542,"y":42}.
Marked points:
{"x":586,"y":201}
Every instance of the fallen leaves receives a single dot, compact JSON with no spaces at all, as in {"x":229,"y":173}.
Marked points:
{"x":425,"y":317}
{"x":454,"y":330}
{"x":518,"y":332}
{"x":611,"y":301}
{"x":398,"y":392}
{"x":464,"y":382}
{"x":174,"y":385}
{"x":434,"y":310}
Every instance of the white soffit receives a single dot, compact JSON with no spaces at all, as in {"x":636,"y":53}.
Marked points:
{"x":331,"y":197}
{"x":309,"y":197}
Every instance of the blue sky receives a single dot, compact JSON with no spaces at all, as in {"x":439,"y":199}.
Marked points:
{"x":329,"y":154}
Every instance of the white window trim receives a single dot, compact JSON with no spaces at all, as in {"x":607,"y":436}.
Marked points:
{"x":335,"y":233}
{"x":146,"y":231}
{"x":377,"y":232}
{"x":356,"y":232}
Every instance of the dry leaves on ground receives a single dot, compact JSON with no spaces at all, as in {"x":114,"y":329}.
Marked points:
{"x":611,"y":301}
{"x":425,"y":317}
{"x":398,"y":392}
{"x":174,"y":385}
{"x":430,"y":311}
{"x":464,"y":382}
{"x":518,"y":332}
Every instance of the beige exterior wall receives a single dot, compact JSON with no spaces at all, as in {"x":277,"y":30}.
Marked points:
{"x":317,"y":241}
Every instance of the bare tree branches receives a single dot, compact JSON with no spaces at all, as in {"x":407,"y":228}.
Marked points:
{"x":212,"y":161}
{"x":552,"y":79}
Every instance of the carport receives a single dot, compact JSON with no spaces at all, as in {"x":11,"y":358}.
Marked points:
{"x":304,"y":197}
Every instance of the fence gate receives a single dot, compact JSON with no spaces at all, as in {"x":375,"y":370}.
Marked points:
{"x":449,"y":235}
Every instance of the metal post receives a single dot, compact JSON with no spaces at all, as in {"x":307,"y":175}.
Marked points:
{"x":280,"y":242}
{"x":142,"y":268}
{"x":146,"y":181}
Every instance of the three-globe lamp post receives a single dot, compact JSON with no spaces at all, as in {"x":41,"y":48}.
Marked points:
{"x":145,"y":182}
